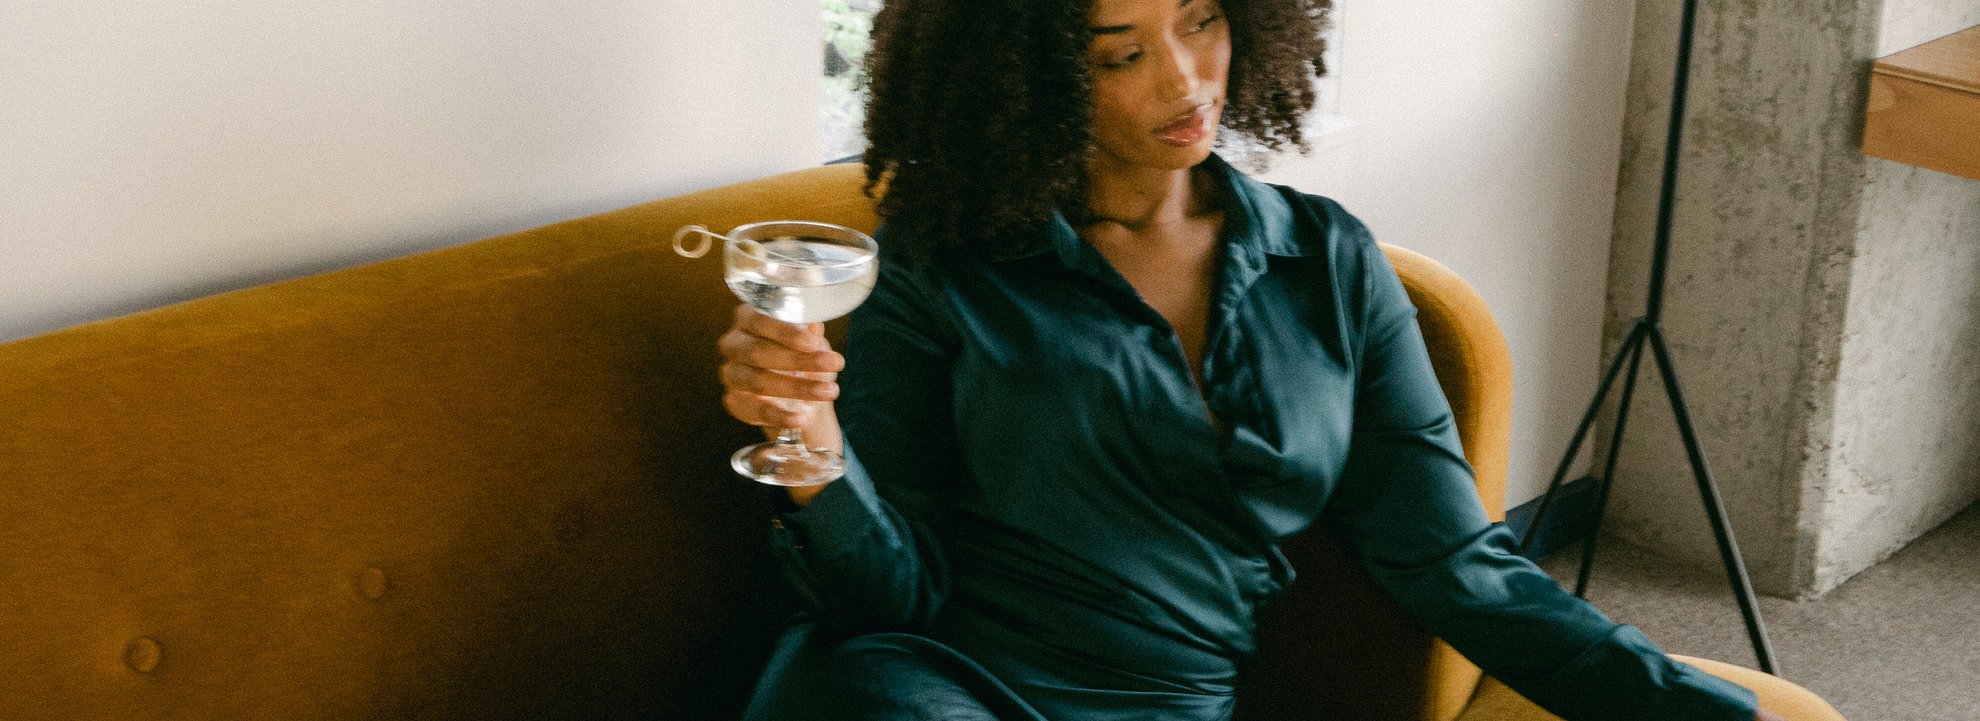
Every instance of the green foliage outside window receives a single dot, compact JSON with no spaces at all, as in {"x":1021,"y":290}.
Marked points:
{"x":848,"y":26}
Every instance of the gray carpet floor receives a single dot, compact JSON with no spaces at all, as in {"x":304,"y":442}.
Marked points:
{"x":1897,"y":642}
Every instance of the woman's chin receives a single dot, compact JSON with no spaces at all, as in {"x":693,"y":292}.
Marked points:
{"x":1159,"y":155}
{"x":1192,"y":155}
{"x":1181,"y":157}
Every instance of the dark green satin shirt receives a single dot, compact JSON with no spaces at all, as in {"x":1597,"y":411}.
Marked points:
{"x":1038,"y":486}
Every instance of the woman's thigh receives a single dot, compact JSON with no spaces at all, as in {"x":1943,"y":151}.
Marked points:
{"x":878,"y":677}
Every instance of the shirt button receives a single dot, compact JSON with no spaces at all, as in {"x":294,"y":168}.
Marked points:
{"x":777,"y":523}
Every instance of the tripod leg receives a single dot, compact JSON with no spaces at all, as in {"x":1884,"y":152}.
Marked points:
{"x":1608,"y":473}
{"x":1708,"y":492}
{"x":1632,"y":342}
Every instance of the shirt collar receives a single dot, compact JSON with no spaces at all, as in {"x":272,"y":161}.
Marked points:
{"x":1258,"y":222}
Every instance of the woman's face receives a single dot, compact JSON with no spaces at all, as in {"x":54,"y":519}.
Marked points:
{"x":1159,"y":70}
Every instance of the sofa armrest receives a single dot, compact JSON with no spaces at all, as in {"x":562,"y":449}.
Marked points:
{"x":1496,"y":702}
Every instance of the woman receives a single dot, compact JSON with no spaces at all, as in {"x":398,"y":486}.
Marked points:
{"x":1103,"y":374}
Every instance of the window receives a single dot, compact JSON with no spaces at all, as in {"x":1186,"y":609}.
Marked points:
{"x":847,"y":26}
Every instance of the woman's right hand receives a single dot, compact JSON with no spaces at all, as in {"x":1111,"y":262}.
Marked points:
{"x":781,"y":375}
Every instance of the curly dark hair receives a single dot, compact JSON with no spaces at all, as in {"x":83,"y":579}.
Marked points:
{"x":978,"y":116}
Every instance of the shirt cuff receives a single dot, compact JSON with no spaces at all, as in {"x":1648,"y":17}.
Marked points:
{"x":1695,"y":694}
{"x":1664,"y":689}
{"x":839,"y":521}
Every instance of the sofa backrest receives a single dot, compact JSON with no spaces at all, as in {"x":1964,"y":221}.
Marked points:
{"x":486,"y":482}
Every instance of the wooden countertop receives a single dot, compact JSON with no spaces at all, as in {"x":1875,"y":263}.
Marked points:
{"x":1924,"y":105}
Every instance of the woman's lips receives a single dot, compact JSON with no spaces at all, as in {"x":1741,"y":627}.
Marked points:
{"x":1188,"y":130}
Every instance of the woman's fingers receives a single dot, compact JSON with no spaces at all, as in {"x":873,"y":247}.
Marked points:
{"x":809,"y":337}
{"x":779,"y":384}
{"x":745,"y":346}
{"x":775,"y":373}
{"x":765,"y":411}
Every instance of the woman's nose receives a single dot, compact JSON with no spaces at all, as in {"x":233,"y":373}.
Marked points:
{"x":1178,"y":72}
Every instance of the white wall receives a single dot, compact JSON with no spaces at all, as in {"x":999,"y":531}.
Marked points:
{"x":1487,"y":138}
{"x":152,"y":152}
{"x":157,"y":151}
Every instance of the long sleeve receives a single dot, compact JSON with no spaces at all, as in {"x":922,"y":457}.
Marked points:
{"x":863,"y":554}
{"x":1407,"y":505}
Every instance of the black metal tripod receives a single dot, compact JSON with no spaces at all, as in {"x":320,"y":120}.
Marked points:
{"x":1648,"y":330}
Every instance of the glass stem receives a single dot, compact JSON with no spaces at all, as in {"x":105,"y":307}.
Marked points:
{"x":792,"y":438}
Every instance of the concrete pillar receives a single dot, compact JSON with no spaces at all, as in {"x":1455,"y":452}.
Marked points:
{"x":1823,"y":307}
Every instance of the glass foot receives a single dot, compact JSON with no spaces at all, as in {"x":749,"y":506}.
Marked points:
{"x":788,"y":464}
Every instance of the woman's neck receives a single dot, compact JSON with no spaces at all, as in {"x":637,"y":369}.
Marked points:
{"x":1141,"y":198}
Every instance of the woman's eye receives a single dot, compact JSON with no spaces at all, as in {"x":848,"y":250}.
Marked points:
{"x":1207,"y":20}
{"x":1121,"y":61}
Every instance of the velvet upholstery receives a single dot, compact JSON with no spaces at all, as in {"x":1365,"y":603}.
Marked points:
{"x":1495,"y":702}
{"x":490,"y":482}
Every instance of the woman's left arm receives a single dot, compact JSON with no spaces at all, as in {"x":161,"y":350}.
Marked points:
{"x":1408,"y":505}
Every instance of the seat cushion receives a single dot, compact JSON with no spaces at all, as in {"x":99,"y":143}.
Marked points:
{"x":1495,"y":702}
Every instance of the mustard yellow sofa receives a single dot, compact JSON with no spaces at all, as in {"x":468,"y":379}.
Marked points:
{"x":489,"y":482}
